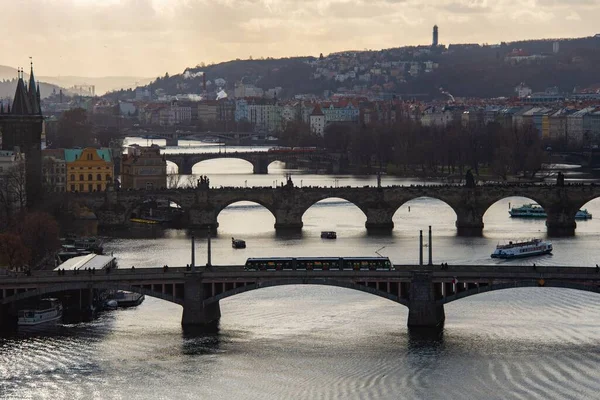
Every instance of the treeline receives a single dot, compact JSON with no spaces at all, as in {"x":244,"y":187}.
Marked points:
{"x":412,"y":149}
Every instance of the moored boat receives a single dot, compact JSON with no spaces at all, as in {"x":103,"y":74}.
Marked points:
{"x":238,"y":243}
{"x":533,"y":247}
{"x":536,"y":211}
{"x":47,"y":312}
{"x":328,"y":235}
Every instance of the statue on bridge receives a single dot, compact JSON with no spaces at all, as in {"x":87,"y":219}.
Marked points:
{"x":289,"y":184}
{"x":469,"y":179}
{"x":560,"y":179}
{"x":203,"y":182}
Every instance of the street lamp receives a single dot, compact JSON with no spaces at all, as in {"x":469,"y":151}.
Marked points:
{"x":246,"y":183}
{"x":300,"y":182}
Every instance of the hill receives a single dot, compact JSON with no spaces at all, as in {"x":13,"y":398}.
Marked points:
{"x":470,"y":70}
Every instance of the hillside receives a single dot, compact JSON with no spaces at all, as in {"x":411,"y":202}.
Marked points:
{"x":463,"y":70}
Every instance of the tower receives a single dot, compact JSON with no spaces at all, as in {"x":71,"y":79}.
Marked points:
{"x":21,"y":125}
{"x":435,"y":36}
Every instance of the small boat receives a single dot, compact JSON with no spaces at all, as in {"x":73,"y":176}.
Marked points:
{"x":328,"y":235}
{"x":111,"y":304}
{"x":48,"y":312}
{"x":127,"y":299}
{"x":534,"y":247}
{"x":536,"y":211}
{"x":238,"y":243}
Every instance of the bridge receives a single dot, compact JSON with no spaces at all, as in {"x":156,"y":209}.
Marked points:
{"x":173,"y":135}
{"x":288,"y":203}
{"x":260,"y":160}
{"x":423,"y":289}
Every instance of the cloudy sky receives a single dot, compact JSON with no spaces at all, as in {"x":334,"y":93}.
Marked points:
{"x":151,"y":37}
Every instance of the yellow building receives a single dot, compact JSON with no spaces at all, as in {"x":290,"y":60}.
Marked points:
{"x":88,"y":170}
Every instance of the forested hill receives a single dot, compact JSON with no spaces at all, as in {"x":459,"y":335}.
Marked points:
{"x":463,"y":70}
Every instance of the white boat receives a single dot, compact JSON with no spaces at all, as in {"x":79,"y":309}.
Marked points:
{"x":48,"y":311}
{"x":533,"y":247}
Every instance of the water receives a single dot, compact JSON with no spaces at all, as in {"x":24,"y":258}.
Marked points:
{"x":314,"y":342}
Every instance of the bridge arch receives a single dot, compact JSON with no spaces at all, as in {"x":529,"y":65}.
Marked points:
{"x":518,"y":284}
{"x":46,"y":290}
{"x":411,"y":213}
{"x":300,"y":281}
{"x":241,"y":205}
{"x":319,"y":207}
{"x":497,"y":219}
{"x":240,"y":165}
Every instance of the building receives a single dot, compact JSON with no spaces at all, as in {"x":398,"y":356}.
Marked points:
{"x":435,"y":36}
{"x":207,"y":111}
{"x":88,"y":170}
{"x":21,"y":126}
{"x":555,"y":47}
{"x":13,"y":182}
{"x":54,"y":170}
{"x":317,"y":121}
{"x":143,"y":168}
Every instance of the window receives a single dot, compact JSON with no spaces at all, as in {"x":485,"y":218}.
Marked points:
{"x":98,"y":177}
{"x":72,"y":188}
{"x":90,"y":187}
{"x":80,"y":177}
{"x":90,"y":178}
{"x":81,"y":187}
{"x":108,"y":177}
{"x":72,"y":177}
{"x":99,"y":187}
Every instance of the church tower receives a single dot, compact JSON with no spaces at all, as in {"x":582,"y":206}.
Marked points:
{"x":21,"y":125}
{"x":435,"y":36}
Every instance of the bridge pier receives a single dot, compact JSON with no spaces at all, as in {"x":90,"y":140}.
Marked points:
{"x":287,"y":221}
{"x":261,"y":166}
{"x":379,"y":220}
{"x":7,"y":318}
{"x":561,"y":223}
{"x":469,"y":223}
{"x":423,"y":312}
{"x":203,"y":218}
{"x":116,"y":218}
{"x":195,"y":311}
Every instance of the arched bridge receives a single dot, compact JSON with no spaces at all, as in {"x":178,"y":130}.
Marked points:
{"x":260,"y":160}
{"x":423,"y":289}
{"x":288,"y":203}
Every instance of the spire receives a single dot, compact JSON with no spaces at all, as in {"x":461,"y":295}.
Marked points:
{"x":21,"y":104}
{"x":32,"y":92}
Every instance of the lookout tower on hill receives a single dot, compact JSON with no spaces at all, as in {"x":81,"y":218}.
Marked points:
{"x":435,"y":36}
{"x":21,"y":125}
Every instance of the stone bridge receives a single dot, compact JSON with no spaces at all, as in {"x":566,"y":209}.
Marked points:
{"x":260,"y":160}
{"x":423,"y":289}
{"x":288,"y":204}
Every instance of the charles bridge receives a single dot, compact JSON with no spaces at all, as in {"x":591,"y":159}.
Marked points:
{"x":287,"y":203}
{"x":260,"y":160}
{"x":423,"y":289}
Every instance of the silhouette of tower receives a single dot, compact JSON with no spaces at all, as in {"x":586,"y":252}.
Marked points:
{"x":435,"y":36}
{"x":21,"y":125}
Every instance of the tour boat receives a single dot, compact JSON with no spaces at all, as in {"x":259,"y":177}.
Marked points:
{"x":328,"y":235}
{"x":534,"y":247}
{"x":238,"y":243}
{"x":48,"y":311}
{"x":535,"y":211}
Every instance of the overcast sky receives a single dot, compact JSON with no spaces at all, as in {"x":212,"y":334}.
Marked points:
{"x":151,"y":37}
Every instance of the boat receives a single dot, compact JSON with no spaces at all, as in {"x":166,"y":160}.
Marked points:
{"x":127,"y":299}
{"x":533,"y":247}
{"x":328,"y":235}
{"x":48,"y":312}
{"x":536,"y":211}
{"x":238,"y":243}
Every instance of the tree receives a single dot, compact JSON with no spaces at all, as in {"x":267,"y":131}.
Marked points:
{"x":13,"y":197}
{"x":74,"y":130}
{"x":13,"y":251}
{"x":40,"y":233}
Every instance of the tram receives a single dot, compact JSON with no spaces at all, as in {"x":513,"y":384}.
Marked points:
{"x":318,"y":263}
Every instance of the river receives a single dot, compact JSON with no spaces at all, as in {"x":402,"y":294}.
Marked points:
{"x":317,"y":342}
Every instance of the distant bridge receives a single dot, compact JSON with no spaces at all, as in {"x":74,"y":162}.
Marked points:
{"x":379,"y":204}
{"x":260,"y":160}
{"x":173,"y":134}
{"x":423,"y":289}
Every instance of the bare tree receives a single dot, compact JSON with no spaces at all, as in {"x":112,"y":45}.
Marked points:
{"x":12,"y":192}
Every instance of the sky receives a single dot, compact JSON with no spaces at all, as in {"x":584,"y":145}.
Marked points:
{"x":147,"y":38}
